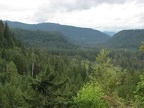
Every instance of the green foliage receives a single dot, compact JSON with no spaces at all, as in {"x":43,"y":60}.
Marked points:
{"x":108,"y":77}
{"x":104,"y":73}
{"x":90,"y":97}
{"x":13,"y":97}
{"x":139,"y":93}
{"x":128,"y":59}
{"x":128,"y":85}
{"x":45,"y":86}
{"x":1,"y":33}
{"x":142,"y":47}
{"x":11,"y":72}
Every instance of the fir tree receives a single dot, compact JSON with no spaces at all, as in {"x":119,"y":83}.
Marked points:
{"x":1,"y":33}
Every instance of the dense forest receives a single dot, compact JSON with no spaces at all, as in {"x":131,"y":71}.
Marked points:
{"x":130,"y":39}
{"x":32,"y":77}
{"x":43,"y":39}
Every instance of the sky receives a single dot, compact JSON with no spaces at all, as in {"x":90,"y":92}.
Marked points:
{"x":103,"y":15}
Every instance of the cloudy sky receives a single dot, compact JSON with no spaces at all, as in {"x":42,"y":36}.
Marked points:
{"x":104,"y":15}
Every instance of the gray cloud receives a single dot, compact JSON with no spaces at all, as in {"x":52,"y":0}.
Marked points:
{"x":122,"y":13}
{"x":52,"y":7}
{"x":98,"y":14}
{"x":72,"y":5}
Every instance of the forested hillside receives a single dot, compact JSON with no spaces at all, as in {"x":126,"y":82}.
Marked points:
{"x":84,"y":36}
{"x":73,"y":78}
{"x":43,"y":39}
{"x":126,"y":39}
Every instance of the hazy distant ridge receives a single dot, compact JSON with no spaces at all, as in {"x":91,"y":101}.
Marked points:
{"x":81,"y":35}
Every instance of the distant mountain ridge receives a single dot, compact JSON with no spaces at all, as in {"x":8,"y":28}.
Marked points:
{"x":110,"y":33}
{"x":126,"y":39}
{"x":82,"y":35}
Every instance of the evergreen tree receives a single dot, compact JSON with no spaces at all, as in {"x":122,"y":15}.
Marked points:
{"x":1,"y":33}
{"x":47,"y":88}
{"x":12,"y":74}
{"x":7,"y":35}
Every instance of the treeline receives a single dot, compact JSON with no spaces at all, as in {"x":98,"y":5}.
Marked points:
{"x":132,"y":59}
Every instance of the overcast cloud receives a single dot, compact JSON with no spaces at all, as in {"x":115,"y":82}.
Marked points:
{"x":104,"y":15}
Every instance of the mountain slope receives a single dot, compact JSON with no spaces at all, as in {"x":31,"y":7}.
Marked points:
{"x":126,"y":39}
{"x":81,"y":35}
{"x":43,"y":39}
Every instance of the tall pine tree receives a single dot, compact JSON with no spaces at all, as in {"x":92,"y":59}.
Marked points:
{"x":1,"y":33}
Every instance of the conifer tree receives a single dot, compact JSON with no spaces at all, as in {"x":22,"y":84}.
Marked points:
{"x":46,"y":87}
{"x":1,"y":33}
{"x":12,"y":74}
{"x":8,"y":37}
